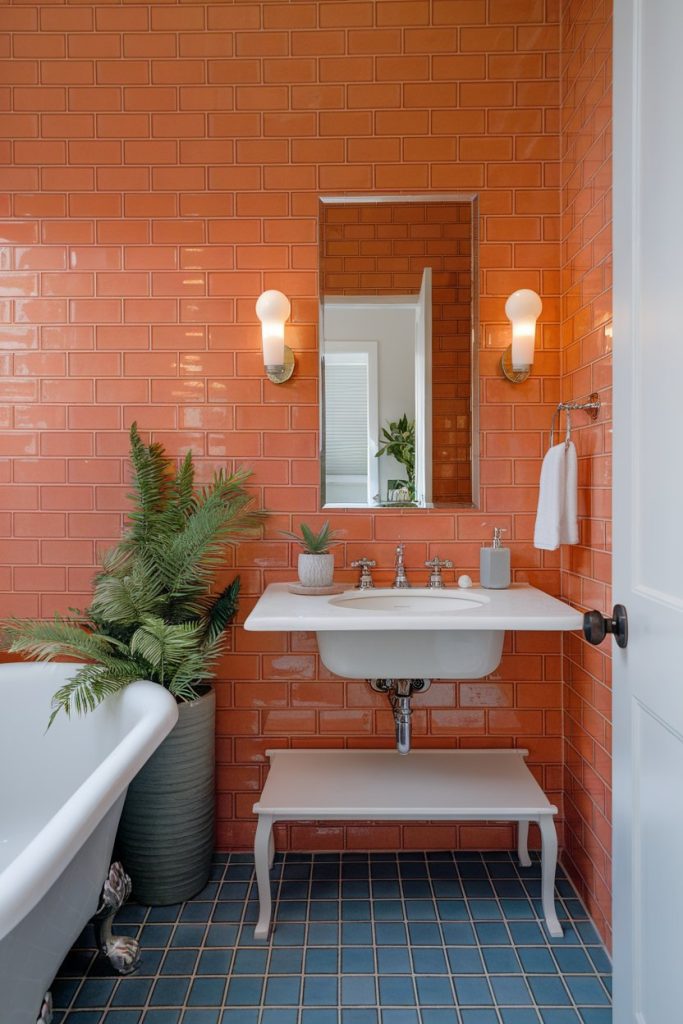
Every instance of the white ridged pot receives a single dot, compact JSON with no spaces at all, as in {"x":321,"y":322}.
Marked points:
{"x":166,"y":834}
{"x":315,"y":570}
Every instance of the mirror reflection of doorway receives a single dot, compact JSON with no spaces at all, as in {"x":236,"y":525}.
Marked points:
{"x":378,"y":253}
{"x":377,"y":375}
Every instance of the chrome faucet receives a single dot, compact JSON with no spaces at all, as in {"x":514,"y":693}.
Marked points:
{"x":365,"y":565}
{"x":400,"y":579}
{"x":436,"y":565}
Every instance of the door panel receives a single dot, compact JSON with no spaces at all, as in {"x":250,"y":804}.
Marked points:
{"x":648,"y":507}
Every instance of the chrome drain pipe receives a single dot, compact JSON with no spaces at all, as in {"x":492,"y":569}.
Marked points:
{"x":400,"y":693}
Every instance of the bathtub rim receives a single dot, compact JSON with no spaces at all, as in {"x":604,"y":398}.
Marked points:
{"x":30,"y":875}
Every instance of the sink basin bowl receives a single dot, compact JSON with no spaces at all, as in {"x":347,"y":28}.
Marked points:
{"x":411,"y":634}
{"x":411,"y":653}
{"x":415,"y":602}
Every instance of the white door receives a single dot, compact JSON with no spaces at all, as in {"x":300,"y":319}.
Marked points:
{"x":423,"y":390}
{"x":648,"y":511}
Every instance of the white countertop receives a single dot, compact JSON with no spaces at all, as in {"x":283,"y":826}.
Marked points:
{"x":519,"y":607}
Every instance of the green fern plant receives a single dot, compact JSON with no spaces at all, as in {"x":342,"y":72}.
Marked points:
{"x":314,"y":543}
{"x":152,"y":615}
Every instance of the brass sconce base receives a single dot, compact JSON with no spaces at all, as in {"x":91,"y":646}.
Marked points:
{"x":516,"y":376}
{"x":279,"y":374}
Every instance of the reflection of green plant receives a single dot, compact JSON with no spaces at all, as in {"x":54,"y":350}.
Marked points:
{"x":314,"y":543}
{"x":152,"y":614}
{"x":398,"y":440}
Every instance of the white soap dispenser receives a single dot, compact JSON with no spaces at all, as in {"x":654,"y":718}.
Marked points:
{"x":494,"y":563}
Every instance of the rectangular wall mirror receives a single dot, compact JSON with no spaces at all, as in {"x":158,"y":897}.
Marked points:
{"x":398,"y":351}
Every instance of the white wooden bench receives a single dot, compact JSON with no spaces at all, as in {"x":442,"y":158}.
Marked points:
{"x":425,"y":785}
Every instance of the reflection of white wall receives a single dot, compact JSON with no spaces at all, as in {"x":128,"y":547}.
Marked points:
{"x":390,"y":322}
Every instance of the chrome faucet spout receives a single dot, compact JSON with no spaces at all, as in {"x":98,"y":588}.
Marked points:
{"x":401,"y":581}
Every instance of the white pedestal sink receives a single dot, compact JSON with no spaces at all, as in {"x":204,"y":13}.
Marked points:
{"x":412,"y":634}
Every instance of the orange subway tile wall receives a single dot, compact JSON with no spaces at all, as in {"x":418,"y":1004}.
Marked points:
{"x":586,"y":367}
{"x":161,"y":166}
{"x":383,"y":249}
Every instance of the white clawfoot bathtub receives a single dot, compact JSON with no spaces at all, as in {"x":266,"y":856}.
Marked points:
{"x":61,"y":794}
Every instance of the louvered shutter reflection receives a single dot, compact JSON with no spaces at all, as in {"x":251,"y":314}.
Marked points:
{"x":346,"y":418}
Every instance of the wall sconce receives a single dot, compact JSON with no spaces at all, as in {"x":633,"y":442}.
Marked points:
{"x":272,"y":309}
{"x":522,"y":309}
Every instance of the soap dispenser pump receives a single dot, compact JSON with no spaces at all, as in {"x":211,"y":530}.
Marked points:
{"x":494,"y":563}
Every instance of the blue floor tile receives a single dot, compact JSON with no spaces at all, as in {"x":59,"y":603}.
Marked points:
{"x":501,"y":960}
{"x":244,"y":991}
{"x":283,"y":991}
{"x":391,"y":960}
{"x":405,"y":1015}
{"x":132,"y":992}
{"x":358,"y":939}
{"x":170,"y":991}
{"x":124,"y":1016}
{"x":355,"y":1015}
{"x":165,"y":1016}
{"x":476,"y":1016}
{"x":510,"y":991}
{"x":318,"y":1016}
{"x":279,"y":1015}
{"x":357,"y":960}
{"x":585,"y":990}
{"x":201,"y":1016}
{"x":429,"y":960}
{"x":439,"y":1015}
{"x":434,"y":991}
{"x":464,"y":960}
{"x":548,"y":991}
{"x":472,"y":991}
{"x":537,"y":960}
{"x":518,"y":1015}
{"x":397,"y":991}
{"x":320,"y":991}
{"x":357,"y":990}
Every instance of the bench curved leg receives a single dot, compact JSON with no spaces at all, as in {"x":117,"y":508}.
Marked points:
{"x":548,"y":868}
{"x":523,"y":843}
{"x":263,"y":847}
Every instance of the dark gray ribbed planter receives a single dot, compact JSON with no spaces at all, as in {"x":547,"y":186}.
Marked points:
{"x":166,"y":835}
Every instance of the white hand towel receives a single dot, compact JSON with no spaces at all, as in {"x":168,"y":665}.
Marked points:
{"x":556,"y":521}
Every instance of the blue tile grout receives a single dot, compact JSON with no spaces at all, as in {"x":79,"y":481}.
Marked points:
{"x":263,"y":1013}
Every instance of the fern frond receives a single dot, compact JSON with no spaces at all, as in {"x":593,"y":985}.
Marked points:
{"x":125,"y":599}
{"x":56,"y":638}
{"x":183,"y":487}
{"x":90,"y":686}
{"x":194,"y":669}
{"x":151,"y":481}
{"x":163,"y":647}
{"x":222,"y":611}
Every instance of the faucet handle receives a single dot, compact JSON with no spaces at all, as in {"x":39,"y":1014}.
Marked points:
{"x":436,"y":564}
{"x":365,"y":565}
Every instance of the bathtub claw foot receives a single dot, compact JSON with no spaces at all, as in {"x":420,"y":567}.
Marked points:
{"x":122,"y":952}
{"x":45,"y":1015}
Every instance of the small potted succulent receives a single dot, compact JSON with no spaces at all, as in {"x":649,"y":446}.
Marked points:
{"x":315,"y":565}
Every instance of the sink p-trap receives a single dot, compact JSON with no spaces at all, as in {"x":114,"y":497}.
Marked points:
{"x":400,"y":693}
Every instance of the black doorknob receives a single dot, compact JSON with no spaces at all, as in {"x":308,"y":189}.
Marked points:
{"x":596,"y":626}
